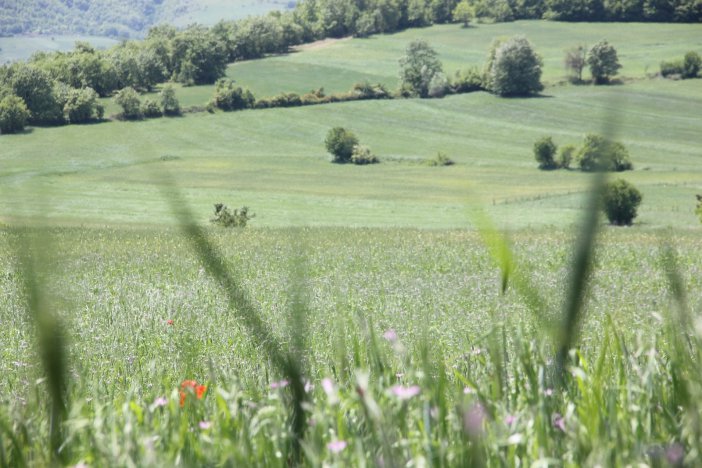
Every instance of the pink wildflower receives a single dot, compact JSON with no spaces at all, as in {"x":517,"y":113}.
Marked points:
{"x":336,"y":446}
{"x":405,"y":393}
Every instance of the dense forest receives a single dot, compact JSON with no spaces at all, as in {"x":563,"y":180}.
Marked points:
{"x":120,"y":18}
{"x":132,"y":18}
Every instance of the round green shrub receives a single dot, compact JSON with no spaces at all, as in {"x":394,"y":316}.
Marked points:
{"x":620,"y":200}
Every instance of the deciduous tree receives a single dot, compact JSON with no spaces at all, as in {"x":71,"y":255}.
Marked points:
{"x":418,"y":67}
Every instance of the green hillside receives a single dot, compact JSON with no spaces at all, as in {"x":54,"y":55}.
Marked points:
{"x":274,"y":161}
{"x":336,"y":65}
{"x":131,"y":18}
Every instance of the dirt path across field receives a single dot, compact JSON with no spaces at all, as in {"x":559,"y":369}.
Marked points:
{"x":316,"y":45}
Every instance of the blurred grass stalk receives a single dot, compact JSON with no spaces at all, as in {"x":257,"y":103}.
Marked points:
{"x":32,"y":247}
{"x":288,"y":362}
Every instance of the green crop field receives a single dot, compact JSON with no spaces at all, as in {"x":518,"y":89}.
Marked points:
{"x":22,"y":47}
{"x":274,"y":161}
{"x":368,"y":315}
{"x":211,"y":11}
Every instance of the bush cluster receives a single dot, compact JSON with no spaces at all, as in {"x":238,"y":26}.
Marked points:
{"x":344,"y":147}
{"x":134,"y":109}
{"x":687,"y":67}
{"x":224,"y":217}
{"x":596,"y":154}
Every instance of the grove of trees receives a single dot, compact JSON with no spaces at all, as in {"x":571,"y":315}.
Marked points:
{"x":596,"y":154}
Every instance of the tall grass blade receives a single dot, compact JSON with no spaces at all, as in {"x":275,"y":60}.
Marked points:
{"x":579,"y":275}
{"x":502,"y":255}
{"x":246,"y":311}
{"x":581,"y":265}
{"x":30,"y":249}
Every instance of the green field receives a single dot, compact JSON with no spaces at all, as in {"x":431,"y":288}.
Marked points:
{"x":337,"y":66}
{"x":22,"y":47}
{"x":210,"y":12}
{"x":420,"y":340}
{"x":274,"y":161}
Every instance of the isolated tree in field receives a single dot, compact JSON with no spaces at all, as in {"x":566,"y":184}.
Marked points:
{"x":698,"y":210}
{"x":620,"y":201}
{"x":14,"y":114}
{"x":516,"y":69}
{"x":603,"y":62}
{"x":417,"y":68}
{"x":601,"y":154}
{"x":575,"y":61}
{"x":340,"y":143}
{"x":128,"y":100}
{"x":463,"y":13}
{"x":544,"y":152}
{"x":169,"y":101}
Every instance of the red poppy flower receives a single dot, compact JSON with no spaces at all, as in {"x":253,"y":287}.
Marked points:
{"x":190,"y":386}
{"x":169,"y":322}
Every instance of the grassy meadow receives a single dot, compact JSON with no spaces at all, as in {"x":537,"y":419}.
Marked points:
{"x":368,"y":316}
{"x":210,"y":12}
{"x":22,"y":47}
{"x":274,"y":161}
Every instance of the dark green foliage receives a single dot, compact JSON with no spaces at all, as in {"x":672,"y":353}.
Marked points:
{"x":467,"y":81}
{"x":36,"y":87}
{"x":516,"y":69}
{"x":340,"y":143}
{"x":417,"y":69}
{"x":151,"y":109}
{"x":366,"y":90}
{"x":283,"y":100}
{"x":226,"y":218}
{"x":698,"y":210}
{"x":600,"y":154}
{"x":566,"y":156}
{"x":13,"y":114}
{"x":463,"y":13}
{"x":495,"y":10}
{"x":439,"y":160}
{"x":128,"y":100}
{"x":545,"y":152}
{"x":672,"y":68}
{"x":362,"y":155}
{"x":620,"y":201}
{"x":80,"y":105}
{"x":228,"y":97}
{"x":198,"y":57}
{"x":169,"y":101}
{"x":136,"y":65}
{"x":691,"y":64}
{"x":603,"y":62}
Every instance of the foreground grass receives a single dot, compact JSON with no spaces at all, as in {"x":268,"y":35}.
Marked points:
{"x":401,"y":334}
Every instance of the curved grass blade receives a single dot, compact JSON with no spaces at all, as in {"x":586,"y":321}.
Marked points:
{"x":240,"y":303}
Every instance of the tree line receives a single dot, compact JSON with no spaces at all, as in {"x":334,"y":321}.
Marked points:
{"x":116,"y":18}
{"x":331,"y":18}
{"x":64,"y":87}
